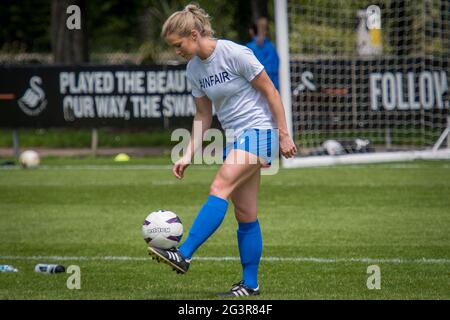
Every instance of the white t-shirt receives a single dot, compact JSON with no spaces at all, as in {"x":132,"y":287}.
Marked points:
{"x":224,"y":77}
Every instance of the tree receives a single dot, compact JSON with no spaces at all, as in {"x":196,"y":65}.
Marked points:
{"x":24,"y":26}
{"x":68,"y":45}
{"x":259,"y":8}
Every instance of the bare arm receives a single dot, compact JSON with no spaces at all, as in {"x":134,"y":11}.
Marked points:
{"x":202,"y":122}
{"x":263,"y":84}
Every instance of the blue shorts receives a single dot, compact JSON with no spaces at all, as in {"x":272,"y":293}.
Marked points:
{"x":260,"y":142}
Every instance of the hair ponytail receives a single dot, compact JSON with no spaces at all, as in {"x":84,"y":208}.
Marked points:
{"x":192,"y":17}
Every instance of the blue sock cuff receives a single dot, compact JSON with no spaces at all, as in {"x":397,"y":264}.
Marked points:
{"x":217,"y":202}
{"x":248,"y":226}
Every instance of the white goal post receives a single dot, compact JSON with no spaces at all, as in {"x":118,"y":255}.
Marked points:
{"x":365,"y":81}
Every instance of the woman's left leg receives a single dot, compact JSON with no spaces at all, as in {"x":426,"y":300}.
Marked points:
{"x":249,"y":235}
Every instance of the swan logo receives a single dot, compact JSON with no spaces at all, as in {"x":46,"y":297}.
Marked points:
{"x":33,"y":101}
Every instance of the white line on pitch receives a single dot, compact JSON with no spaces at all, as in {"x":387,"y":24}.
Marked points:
{"x":106,"y":167}
{"x":268,"y":259}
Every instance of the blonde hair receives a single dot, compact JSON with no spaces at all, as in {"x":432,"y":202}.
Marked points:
{"x":190,"y":18}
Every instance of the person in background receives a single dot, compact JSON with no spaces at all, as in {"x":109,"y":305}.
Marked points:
{"x":264,"y":49}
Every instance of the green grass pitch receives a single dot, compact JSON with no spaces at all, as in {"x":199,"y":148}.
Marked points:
{"x":322,"y":228}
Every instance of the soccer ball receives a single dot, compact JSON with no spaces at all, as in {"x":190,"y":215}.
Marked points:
{"x":29,"y":159}
{"x":333,"y":147}
{"x":162,"y":229}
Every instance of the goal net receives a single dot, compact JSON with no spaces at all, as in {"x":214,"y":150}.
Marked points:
{"x":368,"y":79}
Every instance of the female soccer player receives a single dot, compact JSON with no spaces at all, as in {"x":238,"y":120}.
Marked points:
{"x":229,"y":76}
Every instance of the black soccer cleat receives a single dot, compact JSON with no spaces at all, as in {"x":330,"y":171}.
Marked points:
{"x":240,"y":290}
{"x":172,"y":257}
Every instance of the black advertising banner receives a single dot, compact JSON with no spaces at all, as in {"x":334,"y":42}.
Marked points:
{"x":338,"y":93}
{"x":362,"y":90}
{"x":94,"y":96}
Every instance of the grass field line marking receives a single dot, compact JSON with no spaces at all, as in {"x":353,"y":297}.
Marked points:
{"x":107,"y":167}
{"x":268,"y":259}
{"x":97,"y":167}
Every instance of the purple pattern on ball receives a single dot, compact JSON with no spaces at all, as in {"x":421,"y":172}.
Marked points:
{"x":148,"y":239}
{"x":174,"y":238}
{"x":146,"y":222}
{"x":173,"y":220}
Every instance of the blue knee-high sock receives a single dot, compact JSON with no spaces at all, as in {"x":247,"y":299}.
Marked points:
{"x":250,"y":250}
{"x":207,"y":221}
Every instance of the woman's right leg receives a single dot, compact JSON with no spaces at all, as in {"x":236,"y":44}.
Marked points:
{"x":230,"y":176}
